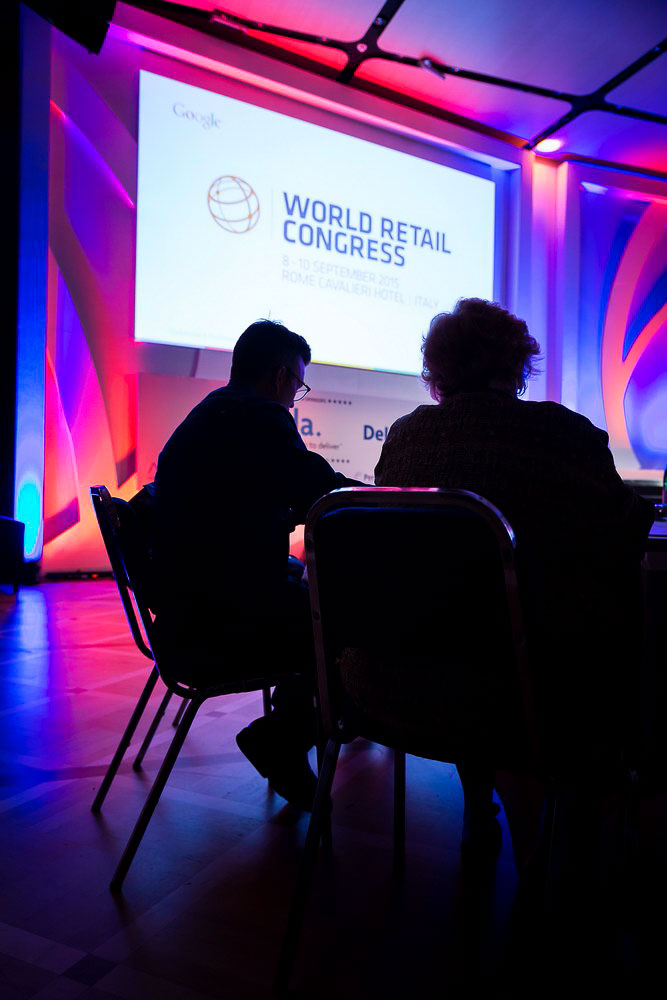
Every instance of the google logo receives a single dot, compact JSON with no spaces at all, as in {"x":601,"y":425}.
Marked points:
{"x":206,"y":121}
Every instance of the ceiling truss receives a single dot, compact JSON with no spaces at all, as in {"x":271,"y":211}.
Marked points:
{"x":229,"y":26}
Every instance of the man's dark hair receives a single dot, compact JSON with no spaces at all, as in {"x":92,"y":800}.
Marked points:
{"x":264,"y":348}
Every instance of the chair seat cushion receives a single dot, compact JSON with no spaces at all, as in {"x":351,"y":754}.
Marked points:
{"x":240,"y":656}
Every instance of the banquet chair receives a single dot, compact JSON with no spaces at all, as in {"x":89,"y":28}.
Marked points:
{"x":133,"y":529}
{"x":107,"y":512}
{"x":131,"y":566}
{"x":421,"y":650}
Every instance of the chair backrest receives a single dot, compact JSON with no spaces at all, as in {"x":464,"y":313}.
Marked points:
{"x":418,"y":625}
{"x":130,"y":561}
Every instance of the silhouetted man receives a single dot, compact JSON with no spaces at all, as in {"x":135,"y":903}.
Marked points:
{"x":232,"y":481}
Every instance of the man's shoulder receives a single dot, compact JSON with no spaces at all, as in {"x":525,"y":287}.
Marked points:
{"x":231,"y":397}
{"x":226,"y":416}
{"x":230,"y":403}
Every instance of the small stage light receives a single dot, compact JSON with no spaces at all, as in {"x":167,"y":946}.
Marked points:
{"x":548,"y":145}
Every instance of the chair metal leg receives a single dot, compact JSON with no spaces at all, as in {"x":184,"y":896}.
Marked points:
{"x":179,"y":714}
{"x":266,"y":700}
{"x":152,"y":729}
{"x":306,"y":868}
{"x":154,"y":794}
{"x":125,"y":740}
{"x":399,"y":810}
{"x":321,"y":746}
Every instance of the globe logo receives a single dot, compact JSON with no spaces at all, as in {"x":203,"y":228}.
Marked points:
{"x":233,"y":204}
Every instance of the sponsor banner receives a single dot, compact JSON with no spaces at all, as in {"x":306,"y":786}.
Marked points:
{"x":347,"y":430}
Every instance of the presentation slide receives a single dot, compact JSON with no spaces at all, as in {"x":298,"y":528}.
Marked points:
{"x":245,"y":213}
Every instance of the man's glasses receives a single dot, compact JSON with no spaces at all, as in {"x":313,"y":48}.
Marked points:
{"x":303,"y":389}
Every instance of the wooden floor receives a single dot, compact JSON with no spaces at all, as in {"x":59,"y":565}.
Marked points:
{"x":204,"y":906}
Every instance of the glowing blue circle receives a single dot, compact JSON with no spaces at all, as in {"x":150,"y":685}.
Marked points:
{"x":29,"y":510}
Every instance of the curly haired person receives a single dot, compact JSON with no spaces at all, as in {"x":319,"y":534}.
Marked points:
{"x":580,"y":536}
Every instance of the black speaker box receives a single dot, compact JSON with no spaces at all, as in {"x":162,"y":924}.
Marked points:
{"x":85,"y":21}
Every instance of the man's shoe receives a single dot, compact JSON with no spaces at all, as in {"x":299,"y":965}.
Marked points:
{"x":257,"y":743}
{"x":295,"y":781}
{"x":287,"y":770}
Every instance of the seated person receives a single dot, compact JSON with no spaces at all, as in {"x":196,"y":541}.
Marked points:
{"x":232,"y":481}
{"x":580,"y":531}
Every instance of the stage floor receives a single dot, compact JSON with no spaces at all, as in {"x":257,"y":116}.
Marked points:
{"x":204,"y":906}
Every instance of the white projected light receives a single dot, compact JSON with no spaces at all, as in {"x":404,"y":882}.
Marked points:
{"x":245,"y":213}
